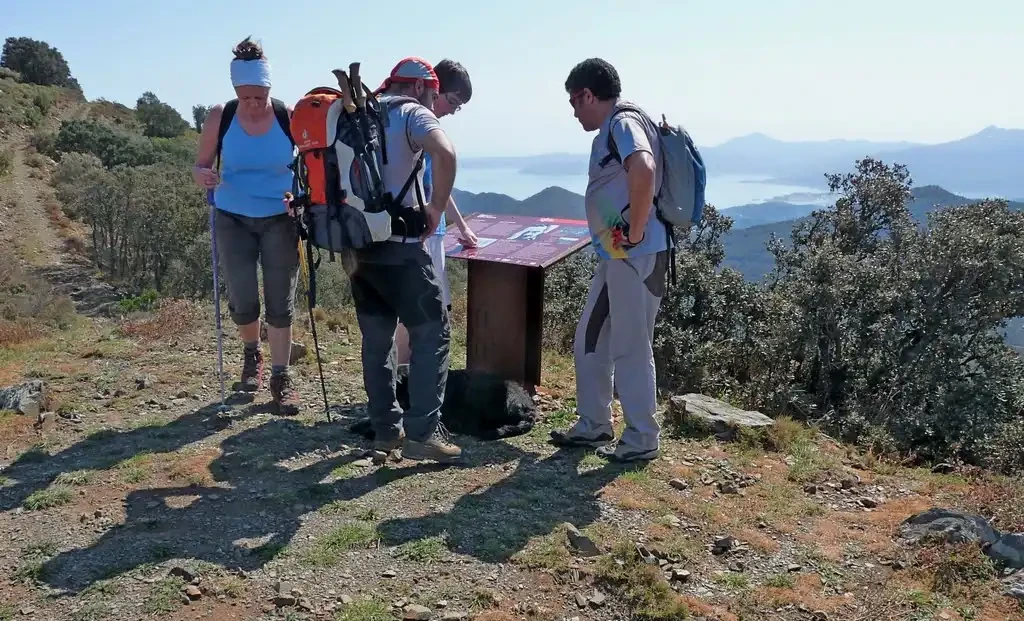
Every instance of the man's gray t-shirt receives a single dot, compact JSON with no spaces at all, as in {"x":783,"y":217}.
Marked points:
{"x":607,"y":195}
{"x":408,"y":126}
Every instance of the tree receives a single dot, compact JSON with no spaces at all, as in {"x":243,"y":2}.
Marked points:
{"x":144,"y":220}
{"x":111,"y":145}
{"x":159,"y":119}
{"x":199,"y":114}
{"x":37,"y":62}
{"x":896,"y":331}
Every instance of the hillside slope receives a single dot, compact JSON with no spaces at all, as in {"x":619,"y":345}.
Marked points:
{"x":47,"y":243}
{"x":133,"y":496}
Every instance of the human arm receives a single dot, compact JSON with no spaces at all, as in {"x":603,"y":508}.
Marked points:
{"x":632,"y":142}
{"x":469,"y":238}
{"x":425,"y":132}
{"x":202,"y":172}
{"x":442,"y":168}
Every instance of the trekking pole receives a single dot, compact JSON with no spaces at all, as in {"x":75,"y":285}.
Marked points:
{"x":216,"y":298}
{"x":363,"y":122}
{"x":309,"y":272}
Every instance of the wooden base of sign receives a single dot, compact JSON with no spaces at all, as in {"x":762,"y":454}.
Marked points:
{"x":505,"y":315}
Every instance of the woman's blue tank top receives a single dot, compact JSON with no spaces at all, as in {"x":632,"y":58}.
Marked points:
{"x":254,"y":173}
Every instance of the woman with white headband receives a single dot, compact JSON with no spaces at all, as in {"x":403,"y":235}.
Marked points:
{"x":250,"y":139}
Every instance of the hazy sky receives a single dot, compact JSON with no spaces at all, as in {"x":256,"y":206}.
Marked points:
{"x":922,"y":70}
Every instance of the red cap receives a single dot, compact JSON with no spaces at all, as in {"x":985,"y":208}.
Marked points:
{"x":409,"y":70}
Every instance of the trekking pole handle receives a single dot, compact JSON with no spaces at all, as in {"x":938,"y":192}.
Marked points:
{"x":346,"y":90}
{"x":209,"y":196}
{"x":357,"y":85}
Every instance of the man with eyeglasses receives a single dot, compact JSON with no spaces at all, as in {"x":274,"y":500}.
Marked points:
{"x":613,"y":341}
{"x":455,"y":92}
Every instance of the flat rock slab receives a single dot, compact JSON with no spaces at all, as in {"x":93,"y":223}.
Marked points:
{"x":24,"y":398}
{"x":951,"y":526}
{"x":1008,"y":550}
{"x":720,"y":417}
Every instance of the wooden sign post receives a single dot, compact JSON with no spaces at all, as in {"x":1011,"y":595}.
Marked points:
{"x":506,"y":288}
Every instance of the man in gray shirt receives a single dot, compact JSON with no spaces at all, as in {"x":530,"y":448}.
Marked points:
{"x":614,"y":337}
{"x":396,"y":280}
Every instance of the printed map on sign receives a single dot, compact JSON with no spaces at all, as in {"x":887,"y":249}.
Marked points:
{"x":520,"y":240}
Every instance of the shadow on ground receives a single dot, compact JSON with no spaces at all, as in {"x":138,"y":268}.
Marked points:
{"x":246,"y":523}
{"x":498,"y":522}
{"x":35,"y":470}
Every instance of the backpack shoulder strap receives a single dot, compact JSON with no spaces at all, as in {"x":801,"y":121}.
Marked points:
{"x":225,"y":122}
{"x":391,"y":103}
{"x":613,"y":151}
{"x":281,"y":112}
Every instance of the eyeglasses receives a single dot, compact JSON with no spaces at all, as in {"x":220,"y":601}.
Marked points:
{"x":453,"y":101}
{"x":575,"y":98}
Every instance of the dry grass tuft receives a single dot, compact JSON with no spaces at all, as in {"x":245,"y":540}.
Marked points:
{"x":174,"y":318}
{"x":16,"y":332}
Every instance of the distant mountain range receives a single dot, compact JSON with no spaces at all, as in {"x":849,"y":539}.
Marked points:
{"x":746,"y":247}
{"x":753,"y":224}
{"x":551,"y":202}
{"x":556,"y":202}
{"x":988,"y":163}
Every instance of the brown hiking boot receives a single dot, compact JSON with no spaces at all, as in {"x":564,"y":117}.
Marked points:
{"x":382,"y":449}
{"x":438,"y":447}
{"x":252,"y":371}
{"x":286,"y":398}
{"x":386,"y":446}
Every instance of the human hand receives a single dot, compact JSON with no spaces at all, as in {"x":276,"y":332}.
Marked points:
{"x":205,"y":177}
{"x":432,"y":218}
{"x":633,"y":237}
{"x":623,"y":237}
{"x":288,"y":204}
{"x":469,"y":238}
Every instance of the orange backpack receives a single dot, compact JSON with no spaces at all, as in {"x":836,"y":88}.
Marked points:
{"x":338,"y":189}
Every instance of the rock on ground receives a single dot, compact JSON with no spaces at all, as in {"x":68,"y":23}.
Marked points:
{"x":298,"y":352}
{"x":26,"y":398}
{"x":949,"y":526}
{"x":953,"y":526}
{"x":719,"y":416}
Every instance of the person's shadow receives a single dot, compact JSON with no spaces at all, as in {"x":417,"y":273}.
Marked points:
{"x":244,"y":525}
{"x":495,"y":524}
{"x":34,"y":470}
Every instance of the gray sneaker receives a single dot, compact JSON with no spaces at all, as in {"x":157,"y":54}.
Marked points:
{"x":574,"y":437}
{"x":438,"y":447}
{"x":621,"y":453}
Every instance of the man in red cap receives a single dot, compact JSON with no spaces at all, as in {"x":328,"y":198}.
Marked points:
{"x":396,"y":279}
{"x":455,"y":91}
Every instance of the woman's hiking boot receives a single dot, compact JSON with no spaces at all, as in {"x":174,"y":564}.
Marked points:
{"x":286,"y":398}
{"x":252,"y":370}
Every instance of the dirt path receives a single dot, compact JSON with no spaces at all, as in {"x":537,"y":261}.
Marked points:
{"x":29,"y":223}
{"x":25,"y":224}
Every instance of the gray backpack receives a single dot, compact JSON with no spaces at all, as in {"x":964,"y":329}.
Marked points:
{"x":679,"y":202}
